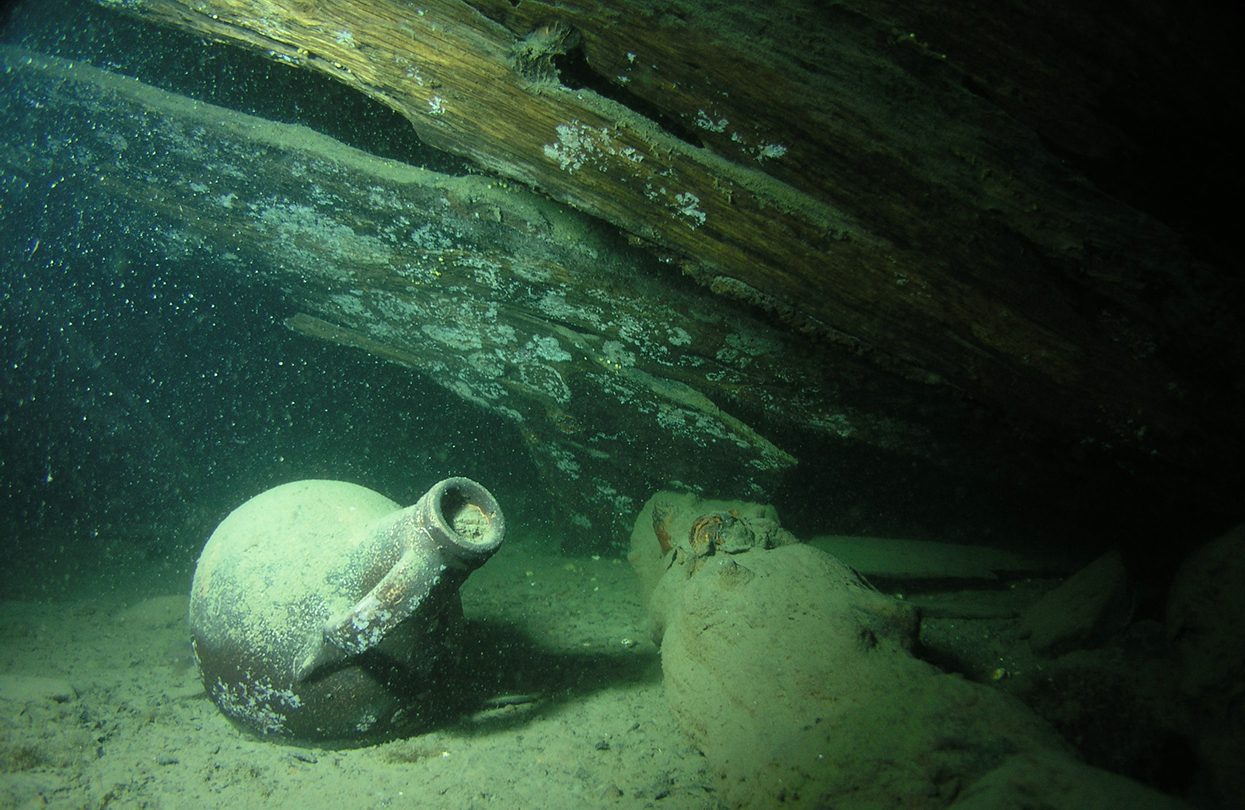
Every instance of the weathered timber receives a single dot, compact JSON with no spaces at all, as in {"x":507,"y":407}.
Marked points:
{"x":621,"y":377}
{"x":845,"y":177}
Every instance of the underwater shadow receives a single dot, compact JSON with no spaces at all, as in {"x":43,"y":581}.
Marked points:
{"x":502,"y":679}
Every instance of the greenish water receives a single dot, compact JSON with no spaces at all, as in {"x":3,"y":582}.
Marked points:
{"x":144,"y":398}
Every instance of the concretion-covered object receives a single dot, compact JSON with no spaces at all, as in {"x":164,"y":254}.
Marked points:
{"x":320,"y":609}
{"x":797,"y":681}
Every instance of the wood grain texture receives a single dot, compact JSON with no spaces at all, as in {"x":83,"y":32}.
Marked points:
{"x":866,"y":182}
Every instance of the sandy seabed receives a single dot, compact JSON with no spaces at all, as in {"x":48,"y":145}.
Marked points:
{"x":101,"y":704}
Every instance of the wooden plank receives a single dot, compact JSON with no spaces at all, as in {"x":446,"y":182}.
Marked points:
{"x":861,"y":194}
{"x":621,"y":378}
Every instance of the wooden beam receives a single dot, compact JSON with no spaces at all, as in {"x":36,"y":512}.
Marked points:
{"x":621,"y":378}
{"x":845,"y":180}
